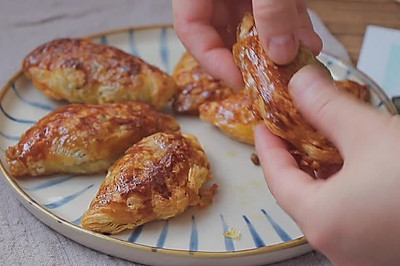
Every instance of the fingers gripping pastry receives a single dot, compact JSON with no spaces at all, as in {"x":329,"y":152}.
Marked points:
{"x":80,"y":71}
{"x":84,"y":139}
{"x":267,"y":84}
{"x":195,"y":86}
{"x":235,"y":116}
{"x":157,"y":178}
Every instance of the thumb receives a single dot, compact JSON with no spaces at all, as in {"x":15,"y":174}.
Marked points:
{"x":341,"y":118}
{"x":290,"y":186}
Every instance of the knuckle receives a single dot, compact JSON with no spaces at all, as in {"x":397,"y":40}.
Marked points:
{"x":325,"y":103}
{"x":301,"y":6}
{"x":274,"y":11}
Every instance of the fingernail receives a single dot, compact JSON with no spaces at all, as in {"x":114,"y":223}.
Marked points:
{"x":282,"y":49}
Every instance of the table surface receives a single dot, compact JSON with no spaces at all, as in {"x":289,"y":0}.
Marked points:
{"x":26,"y":24}
{"x":347,"y":19}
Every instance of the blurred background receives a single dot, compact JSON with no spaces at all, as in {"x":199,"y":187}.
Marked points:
{"x":348,"y":19}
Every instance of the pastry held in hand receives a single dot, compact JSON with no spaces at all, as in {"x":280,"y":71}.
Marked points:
{"x":359,"y":91}
{"x":267,"y":84}
{"x":235,"y":116}
{"x":80,"y":71}
{"x":84,"y":139}
{"x":196,"y":86}
{"x":157,"y":178}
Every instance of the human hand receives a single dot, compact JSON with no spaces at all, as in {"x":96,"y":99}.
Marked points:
{"x":352,"y":217}
{"x":207,"y":28}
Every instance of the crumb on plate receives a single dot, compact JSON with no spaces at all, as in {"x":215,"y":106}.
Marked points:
{"x":254,"y":158}
{"x":232,"y":233}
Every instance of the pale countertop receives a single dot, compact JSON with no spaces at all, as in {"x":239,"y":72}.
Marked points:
{"x":24,"y":25}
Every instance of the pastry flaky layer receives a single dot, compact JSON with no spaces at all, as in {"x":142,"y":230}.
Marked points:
{"x":359,"y":91}
{"x":235,"y":116}
{"x":157,"y":178}
{"x":196,"y":86}
{"x":267,"y":84}
{"x":80,"y":71}
{"x":84,"y":139}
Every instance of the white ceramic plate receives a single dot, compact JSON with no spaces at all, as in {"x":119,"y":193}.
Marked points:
{"x":243,"y":201}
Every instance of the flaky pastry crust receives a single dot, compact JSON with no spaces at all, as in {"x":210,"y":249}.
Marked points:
{"x":84,"y":139}
{"x":79,"y":71}
{"x":157,"y":178}
{"x":196,"y":86}
{"x":235,"y":116}
{"x":267,"y":85}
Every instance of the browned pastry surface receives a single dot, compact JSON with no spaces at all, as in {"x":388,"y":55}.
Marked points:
{"x":359,"y":91}
{"x":157,"y":178}
{"x":195,"y":86}
{"x":80,"y":71}
{"x":267,"y":84}
{"x":235,"y":116}
{"x":84,"y":139}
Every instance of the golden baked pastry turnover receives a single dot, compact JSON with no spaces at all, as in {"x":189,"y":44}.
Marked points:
{"x":267,"y":84}
{"x":235,"y":116}
{"x":158,"y":178}
{"x":79,"y":71}
{"x":84,"y":139}
{"x":195,"y":86}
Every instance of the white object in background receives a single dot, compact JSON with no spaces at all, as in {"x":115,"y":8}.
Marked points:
{"x":380,"y":58}
{"x":330,"y":44}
